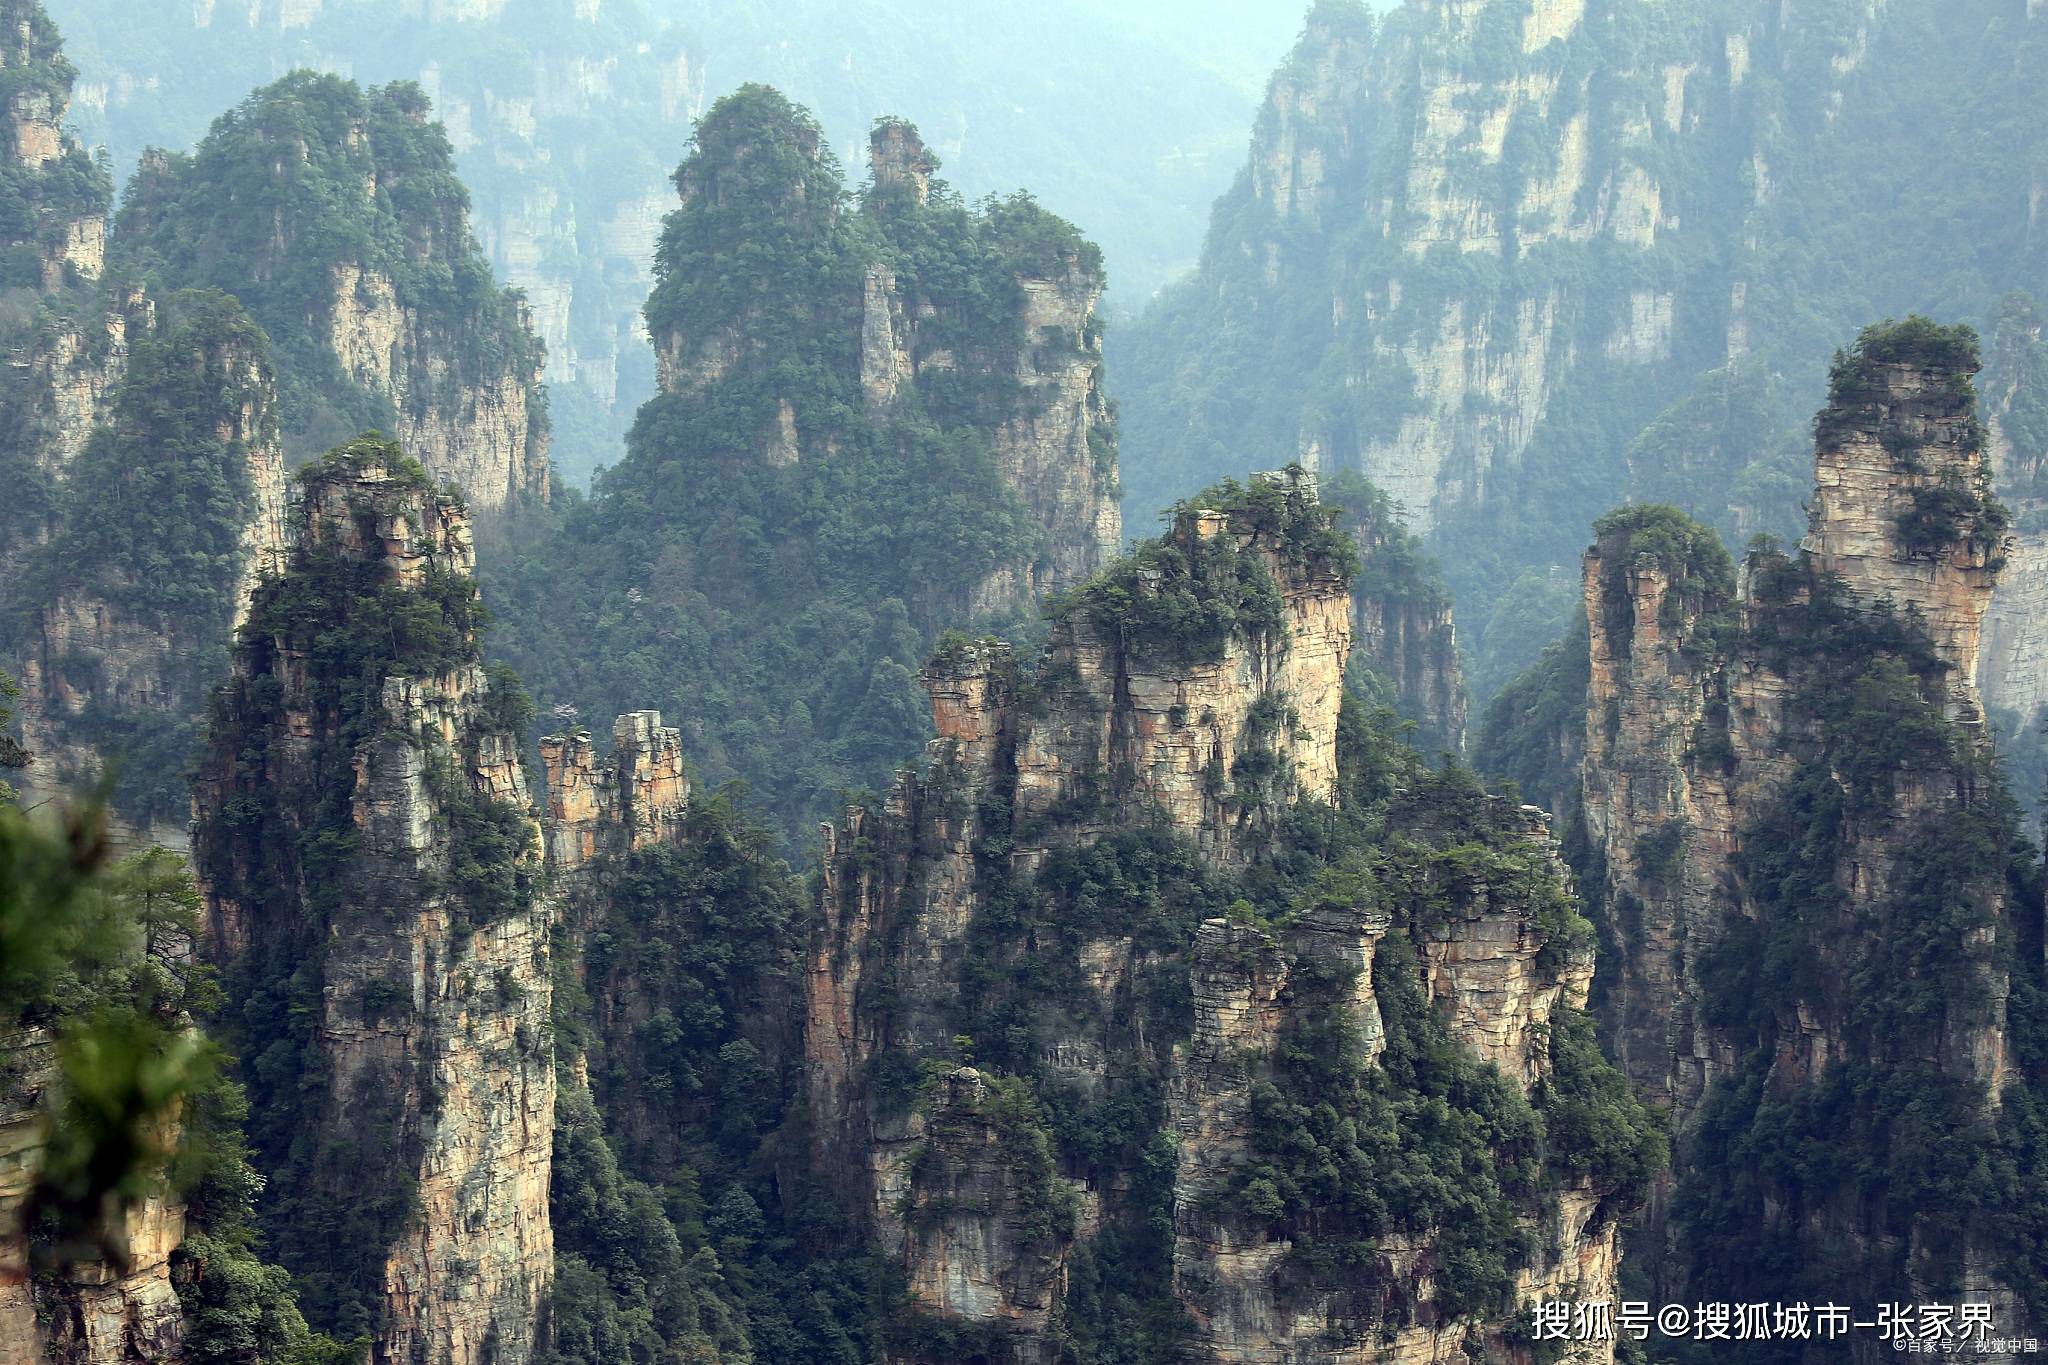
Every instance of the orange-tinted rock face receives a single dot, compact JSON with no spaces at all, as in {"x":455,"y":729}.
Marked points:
{"x":1700,"y":715}
{"x":1117,"y":729}
{"x":634,"y":799}
{"x":1687,"y":737}
{"x":1910,"y":433}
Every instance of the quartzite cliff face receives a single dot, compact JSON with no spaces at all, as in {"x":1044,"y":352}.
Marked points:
{"x":150,"y":422}
{"x":1687,"y":734}
{"x":1480,"y":245}
{"x":366,"y":276}
{"x":1402,"y":623}
{"x":366,"y":844}
{"x":1778,"y":776}
{"x":970,"y":1191}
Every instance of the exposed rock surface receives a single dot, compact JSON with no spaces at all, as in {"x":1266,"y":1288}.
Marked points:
{"x":1410,"y":132}
{"x":634,"y":799}
{"x":2012,"y":662}
{"x":484,"y":433}
{"x":1710,"y":702}
{"x":1114,"y":730}
{"x":432,"y":1033}
{"x":94,"y":1313}
{"x":1052,"y":438}
{"x":1479,"y":246}
{"x":99,"y":659}
{"x":363,"y":212}
{"x":1403,"y":628}
{"x":60,"y":194}
{"x":1687,"y":734}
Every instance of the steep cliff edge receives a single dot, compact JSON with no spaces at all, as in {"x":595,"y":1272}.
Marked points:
{"x":369,"y":863}
{"x":365,"y":275}
{"x":1401,"y":619}
{"x":994,"y":329}
{"x":169,"y":514}
{"x":53,"y":229}
{"x":142,"y":444}
{"x":1579,"y":221}
{"x":1082,"y":985}
{"x":881,"y":415}
{"x":1809,"y":865}
{"x":2012,"y":664}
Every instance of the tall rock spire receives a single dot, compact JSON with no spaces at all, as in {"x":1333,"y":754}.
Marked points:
{"x":1803,"y":851}
{"x":369,"y":862}
{"x":1902,"y":508}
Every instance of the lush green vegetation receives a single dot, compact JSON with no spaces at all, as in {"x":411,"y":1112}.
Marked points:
{"x":1700,"y":596}
{"x":40,"y":201}
{"x":13,"y":757}
{"x":373,"y":190}
{"x":779,"y":610}
{"x":97,"y":975}
{"x":153,"y":516}
{"x":1533,"y":731}
{"x":673,"y":1239}
{"x":1891,"y":1135}
{"x":1428,"y":1141}
{"x":1185,"y":595}
{"x":354,"y":629}
{"x":1012,"y":98}
{"x":1425,"y":1141}
{"x":1890,"y":1128}
{"x":1320,"y":309}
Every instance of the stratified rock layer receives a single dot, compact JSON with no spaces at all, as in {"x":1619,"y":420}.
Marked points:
{"x":633,"y":800}
{"x":1713,"y":729}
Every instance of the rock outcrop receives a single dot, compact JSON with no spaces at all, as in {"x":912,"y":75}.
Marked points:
{"x":366,"y":276}
{"x":636,"y":798}
{"x":2012,"y":661}
{"x":1019,"y":360}
{"x":1692,"y":722}
{"x":1402,"y":624}
{"x":114,"y":656}
{"x":484,"y":430}
{"x":1462,"y":263}
{"x":1425,"y":130}
{"x":92,"y":1313}
{"x":365,"y":828}
{"x":1120,"y":730}
{"x":59,"y":195}
{"x":1776,"y":773}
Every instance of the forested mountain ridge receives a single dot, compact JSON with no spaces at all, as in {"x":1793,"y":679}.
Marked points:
{"x":565,"y":116}
{"x":309,"y":272}
{"x":1508,"y":257}
{"x":882,"y":415}
{"x":1155,"y":996}
{"x":1178,"y":1009}
{"x":334,"y":214}
{"x":141,"y":440}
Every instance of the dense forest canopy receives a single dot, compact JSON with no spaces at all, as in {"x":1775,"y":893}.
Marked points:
{"x":781,"y":609}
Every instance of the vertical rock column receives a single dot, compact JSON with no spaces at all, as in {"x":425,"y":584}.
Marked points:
{"x":366,"y":826}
